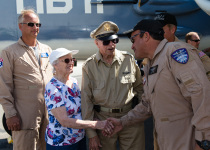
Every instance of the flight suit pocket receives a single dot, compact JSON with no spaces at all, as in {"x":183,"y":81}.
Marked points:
{"x":176,"y":117}
{"x":22,"y":66}
{"x":190,"y":83}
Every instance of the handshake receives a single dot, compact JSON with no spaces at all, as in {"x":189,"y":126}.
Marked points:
{"x":109,"y":126}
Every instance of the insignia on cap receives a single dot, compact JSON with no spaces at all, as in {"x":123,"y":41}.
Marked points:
{"x":1,"y":62}
{"x":107,"y":27}
{"x":180,"y":55}
{"x":160,"y":17}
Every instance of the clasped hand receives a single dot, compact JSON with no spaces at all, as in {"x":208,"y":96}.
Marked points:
{"x":112,"y":126}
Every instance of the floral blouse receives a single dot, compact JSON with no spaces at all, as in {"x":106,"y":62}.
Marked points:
{"x":57,"y":94}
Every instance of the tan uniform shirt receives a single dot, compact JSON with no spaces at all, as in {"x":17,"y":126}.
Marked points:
{"x":23,"y":80}
{"x":110,"y":86}
{"x":178,"y":96}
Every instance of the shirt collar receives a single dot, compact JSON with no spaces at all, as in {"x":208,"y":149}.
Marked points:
{"x":160,"y":47}
{"x":119,"y":57}
{"x":20,"y":41}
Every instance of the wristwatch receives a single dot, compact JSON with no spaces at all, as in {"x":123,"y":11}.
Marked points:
{"x":204,"y":144}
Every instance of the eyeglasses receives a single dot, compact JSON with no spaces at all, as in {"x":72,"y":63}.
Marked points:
{"x":141,"y":35}
{"x":30,"y":24}
{"x":115,"y":41}
{"x":67,"y":60}
{"x":195,"y":40}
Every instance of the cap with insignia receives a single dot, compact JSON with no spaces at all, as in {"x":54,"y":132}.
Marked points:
{"x":147,"y":25}
{"x":166,"y":18}
{"x":106,"y":31}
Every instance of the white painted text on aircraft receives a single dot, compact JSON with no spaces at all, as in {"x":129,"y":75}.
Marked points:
{"x":50,"y":9}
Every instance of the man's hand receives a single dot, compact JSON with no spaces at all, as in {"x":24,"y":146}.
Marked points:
{"x":117,"y":127}
{"x":105,"y":125}
{"x":14,"y":123}
{"x":94,"y":143}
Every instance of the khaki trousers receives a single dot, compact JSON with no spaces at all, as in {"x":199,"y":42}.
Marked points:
{"x":130,"y":138}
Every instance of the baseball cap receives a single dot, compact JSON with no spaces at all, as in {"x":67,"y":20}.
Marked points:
{"x":106,"y":31}
{"x":166,"y":18}
{"x":148,"y":25}
{"x":59,"y":52}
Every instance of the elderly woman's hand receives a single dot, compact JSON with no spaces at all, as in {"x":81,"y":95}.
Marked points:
{"x":105,"y":125}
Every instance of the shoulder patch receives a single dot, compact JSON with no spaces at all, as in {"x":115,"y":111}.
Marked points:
{"x":180,"y":55}
{"x":1,"y":62}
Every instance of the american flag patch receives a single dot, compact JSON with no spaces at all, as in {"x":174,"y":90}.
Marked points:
{"x":201,"y":54}
{"x":1,"y":62}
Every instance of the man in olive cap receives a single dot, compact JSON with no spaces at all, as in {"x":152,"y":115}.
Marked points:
{"x":176,"y":91}
{"x":110,"y":79}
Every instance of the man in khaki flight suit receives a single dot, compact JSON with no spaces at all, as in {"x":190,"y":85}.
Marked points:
{"x":193,"y":39}
{"x":176,"y":91}
{"x":24,"y":72}
{"x":110,"y":79}
{"x":169,"y":24}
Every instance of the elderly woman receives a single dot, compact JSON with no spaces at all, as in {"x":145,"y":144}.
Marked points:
{"x":62,"y":97}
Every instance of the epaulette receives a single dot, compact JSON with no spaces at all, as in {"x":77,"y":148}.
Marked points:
{"x":127,"y":53}
{"x":89,"y":59}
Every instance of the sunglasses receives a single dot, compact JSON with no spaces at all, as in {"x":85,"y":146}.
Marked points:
{"x":115,"y":41}
{"x":141,"y":35}
{"x":67,"y":60}
{"x":195,"y":40}
{"x":30,"y":24}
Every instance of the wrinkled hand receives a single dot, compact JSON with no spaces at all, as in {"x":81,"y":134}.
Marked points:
{"x":105,"y":125}
{"x":14,"y":123}
{"x":117,"y":127}
{"x":94,"y":143}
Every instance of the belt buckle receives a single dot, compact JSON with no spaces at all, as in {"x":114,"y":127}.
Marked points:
{"x":116,"y":110}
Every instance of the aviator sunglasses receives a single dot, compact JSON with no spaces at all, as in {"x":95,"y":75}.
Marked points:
{"x":30,"y":24}
{"x":141,"y":35}
{"x":67,"y":60}
{"x":115,"y":41}
{"x":195,"y":40}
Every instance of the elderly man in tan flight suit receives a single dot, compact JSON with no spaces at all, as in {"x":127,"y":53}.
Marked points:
{"x":110,"y":79}
{"x":24,"y":72}
{"x":176,"y":91}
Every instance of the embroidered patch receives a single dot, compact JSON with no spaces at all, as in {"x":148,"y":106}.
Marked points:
{"x":1,"y":62}
{"x":180,"y":55}
{"x":153,"y":70}
{"x":45,"y":55}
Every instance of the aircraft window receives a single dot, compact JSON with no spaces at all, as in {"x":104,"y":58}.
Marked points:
{"x":114,"y":1}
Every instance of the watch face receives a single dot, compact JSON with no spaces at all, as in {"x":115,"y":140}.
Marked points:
{"x":205,"y":145}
